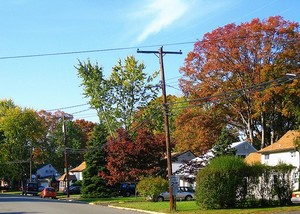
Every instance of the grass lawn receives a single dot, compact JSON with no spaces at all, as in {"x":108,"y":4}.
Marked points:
{"x":190,"y":207}
{"x":182,"y":207}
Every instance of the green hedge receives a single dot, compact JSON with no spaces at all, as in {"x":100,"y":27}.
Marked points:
{"x":221,"y":184}
{"x":228,"y":182}
{"x":152,"y":187}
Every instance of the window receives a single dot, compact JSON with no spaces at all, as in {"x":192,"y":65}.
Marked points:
{"x":267,"y":156}
{"x":295,"y":177}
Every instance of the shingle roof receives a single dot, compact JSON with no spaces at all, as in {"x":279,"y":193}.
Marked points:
{"x":285,"y":143}
{"x":79,"y":168}
{"x":70,"y":177}
{"x":253,"y":157}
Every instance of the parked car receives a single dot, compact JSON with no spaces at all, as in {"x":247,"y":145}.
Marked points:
{"x":295,"y":197}
{"x":127,"y":189}
{"x":48,"y":192}
{"x":183,"y":193}
{"x":73,"y":190}
{"x":30,"y":188}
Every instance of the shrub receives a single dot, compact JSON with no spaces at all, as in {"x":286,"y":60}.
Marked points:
{"x":152,"y":187}
{"x":222,"y":183}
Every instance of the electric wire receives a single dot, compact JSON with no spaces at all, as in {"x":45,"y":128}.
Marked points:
{"x":129,"y":48}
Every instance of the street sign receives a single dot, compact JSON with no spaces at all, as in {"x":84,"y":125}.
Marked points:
{"x":175,"y":184}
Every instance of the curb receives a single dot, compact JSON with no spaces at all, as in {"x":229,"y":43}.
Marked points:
{"x":137,"y":210}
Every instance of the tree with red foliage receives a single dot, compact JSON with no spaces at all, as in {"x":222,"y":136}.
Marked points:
{"x":132,"y":157}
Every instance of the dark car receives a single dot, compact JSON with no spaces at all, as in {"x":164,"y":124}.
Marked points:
{"x":30,"y":188}
{"x":73,"y":190}
{"x":127,"y":189}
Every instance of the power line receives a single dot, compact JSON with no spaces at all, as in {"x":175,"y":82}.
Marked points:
{"x":91,"y":51}
{"x":235,"y":93}
{"x":67,"y":107}
{"x":127,"y":48}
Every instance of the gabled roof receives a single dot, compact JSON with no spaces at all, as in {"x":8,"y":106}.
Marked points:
{"x":285,"y":143}
{"x":70,"y":177}
{"x":236,"y":144}
{"x":253,"y":158}
{"x":177,"y":154}
{"x":79,"y":168}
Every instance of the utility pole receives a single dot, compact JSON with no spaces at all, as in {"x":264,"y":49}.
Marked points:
{"x":30,"y":166}
{"x":66,"y":156}
{"x":161,"y":53}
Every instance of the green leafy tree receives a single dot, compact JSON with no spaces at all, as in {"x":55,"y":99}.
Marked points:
{"x":21,"y":132}
{"x":153,"y":113}
{"x":118,"y":98}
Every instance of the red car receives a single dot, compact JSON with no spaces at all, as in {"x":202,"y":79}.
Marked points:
{"x":48,"y":192}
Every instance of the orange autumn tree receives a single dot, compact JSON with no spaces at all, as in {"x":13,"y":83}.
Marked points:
{"x":197,"y":129}
{"x":239,"y":71}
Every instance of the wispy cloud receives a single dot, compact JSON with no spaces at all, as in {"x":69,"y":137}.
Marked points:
{"x":163,"y":13}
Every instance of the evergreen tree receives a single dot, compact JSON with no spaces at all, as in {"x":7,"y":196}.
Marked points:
{"x":223,"y":144}
{"x":93,"y":185}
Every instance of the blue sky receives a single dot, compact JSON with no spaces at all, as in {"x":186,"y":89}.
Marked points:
{"x":35,"y":27}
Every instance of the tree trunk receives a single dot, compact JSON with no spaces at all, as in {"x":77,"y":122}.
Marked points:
{"x":250,"y":130}
{"x":263,"y":130}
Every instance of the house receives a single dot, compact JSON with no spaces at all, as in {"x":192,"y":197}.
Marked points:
{"x":181,"y":158}
{"x":282,"y":151}
{"x":77,"y":171}
{"x":253,"y":158}
{"x":64,"y":179}
{"x":45,"y":174}
{"x":243,"y":148}
{"x":45,"y":171}
{"x":187,"y":172}
{"x":178,"y":160}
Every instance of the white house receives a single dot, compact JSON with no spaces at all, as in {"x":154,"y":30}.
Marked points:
{"x":188,"y":170}
{"x":283,"y":151}
{"x":46,"y":171}
{"x":77,"y":171}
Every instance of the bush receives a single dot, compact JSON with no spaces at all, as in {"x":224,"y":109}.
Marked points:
{"x":152,"y":187}
{"x":222,"y":183}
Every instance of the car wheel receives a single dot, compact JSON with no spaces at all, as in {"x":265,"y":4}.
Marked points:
{"x":160,"y":198}
{"x":188,"y":198}
{"x":127,"y":194}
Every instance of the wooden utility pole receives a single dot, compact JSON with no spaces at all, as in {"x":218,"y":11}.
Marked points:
{"x":66,"y":156}
{"x":161,"y":53}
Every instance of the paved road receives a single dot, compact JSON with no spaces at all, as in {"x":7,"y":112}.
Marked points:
{"x":18,"y":204}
